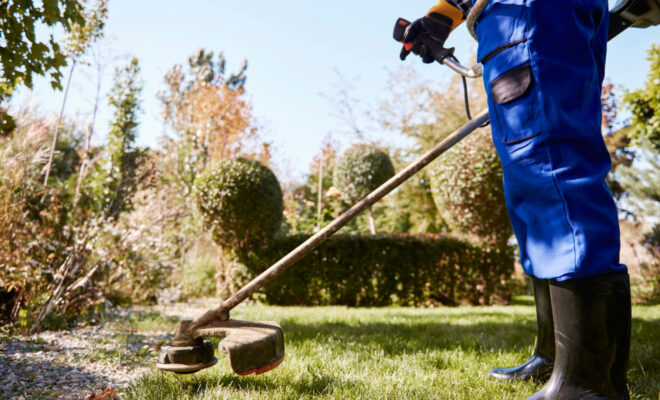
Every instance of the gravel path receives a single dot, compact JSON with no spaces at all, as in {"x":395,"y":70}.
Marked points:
{"x":75,"y":364}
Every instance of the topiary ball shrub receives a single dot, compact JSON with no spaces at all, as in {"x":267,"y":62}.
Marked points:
{"x":241,"y":203}
{"x":466,"y":183}
{"x":361,"y":169}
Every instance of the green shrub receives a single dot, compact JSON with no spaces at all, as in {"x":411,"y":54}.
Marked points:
{"x":198,"y":277}
{"x":386,"y":269}
{"x":466,"y":183}
{"x":360,"y":170}
{"x":241,"y":202}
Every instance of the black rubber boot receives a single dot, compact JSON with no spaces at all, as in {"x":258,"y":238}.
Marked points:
{"x":539,"y":365}
{"x":592,"y":339}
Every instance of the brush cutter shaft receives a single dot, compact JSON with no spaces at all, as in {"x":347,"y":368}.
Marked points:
{"x":311,"y":243}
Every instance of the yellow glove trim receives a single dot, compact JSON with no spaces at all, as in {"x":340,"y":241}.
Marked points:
{"x":448,"y":10}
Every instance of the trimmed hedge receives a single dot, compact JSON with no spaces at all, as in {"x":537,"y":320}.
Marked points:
{"x":241,"y":202}
{"x":387,"y":269}
{"x":466,"y":183}
{"x":360,"y":170}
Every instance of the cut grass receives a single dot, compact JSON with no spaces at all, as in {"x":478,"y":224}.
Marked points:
{"x":395,"y":353}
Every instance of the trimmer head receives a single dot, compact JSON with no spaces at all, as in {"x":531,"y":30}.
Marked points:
{"x":186,"y":357}
{"x":252,"y":347}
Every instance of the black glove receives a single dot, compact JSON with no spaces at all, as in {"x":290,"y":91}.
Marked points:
{"x":435,"y":26}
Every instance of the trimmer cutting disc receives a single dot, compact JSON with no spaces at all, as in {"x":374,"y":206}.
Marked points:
{"x":186,"y":357}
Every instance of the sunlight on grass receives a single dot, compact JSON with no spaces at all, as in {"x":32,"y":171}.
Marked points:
{"x":395,"y":353}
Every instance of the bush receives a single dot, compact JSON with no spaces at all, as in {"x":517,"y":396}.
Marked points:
{"x":241,"y":202}
{"x":466,"y":183}
{"x":381,"y":270}
{"x":649,"y":287}
{"x":360,"y":170}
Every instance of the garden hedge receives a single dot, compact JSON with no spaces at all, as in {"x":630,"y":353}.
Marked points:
{"x":360,"y":170}
{"x":466,"y":183}
{"x":386,"y":269}
{"x":241,"y":202}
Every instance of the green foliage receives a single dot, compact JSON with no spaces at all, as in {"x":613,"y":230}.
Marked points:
{"x":198,"y":277}
{"x":649,"y":286}
{"x":35,"y":229}
{"x":302,"y":201}
{"x":116,"y":178}
{"x":467,"y":188}
{"x":425,"y":114}
{"x":652,"y":241}
{"x":644,"y":104}
{"x":7,"y":123}
{"x":622,"y":155}
{"x":241,"y":203}
{"x":24,"y":53}
{"x":360,"y":170}
{"x":81,"y":36}
{"x":640,"y":181}
{"x":380,"y":270}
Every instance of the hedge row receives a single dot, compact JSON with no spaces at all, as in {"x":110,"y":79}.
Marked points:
{"x":387,"y":269}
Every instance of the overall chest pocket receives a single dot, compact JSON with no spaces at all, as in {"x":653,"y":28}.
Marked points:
{"x":514,"y":95}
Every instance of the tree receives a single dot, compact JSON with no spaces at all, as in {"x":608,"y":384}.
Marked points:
{"x":610,"y":108}
{"x":638,"y":176}
{"x":207,"y":108}
{"x":641,"y":181}
{"x":361,"y":170}
{"x":117,"y":175}
{"x":23,"y":52}
{"x":644,"y":104}
{"x":79,"y":40}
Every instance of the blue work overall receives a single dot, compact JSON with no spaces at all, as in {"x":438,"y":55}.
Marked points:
{"x":544,"y":64}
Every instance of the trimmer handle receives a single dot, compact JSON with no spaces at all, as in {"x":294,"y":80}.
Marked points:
{"x":436,"y":50}
{"x":432,"y":48}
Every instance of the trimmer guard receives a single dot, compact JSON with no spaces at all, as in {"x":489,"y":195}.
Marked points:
{"x":252,"y":347}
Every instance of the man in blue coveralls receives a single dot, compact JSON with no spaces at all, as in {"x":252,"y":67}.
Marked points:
{"x":543,"y":66}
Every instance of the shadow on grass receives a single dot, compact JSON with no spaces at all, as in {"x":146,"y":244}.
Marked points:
{"x":507,"y":337}
{"x":410,"y":336}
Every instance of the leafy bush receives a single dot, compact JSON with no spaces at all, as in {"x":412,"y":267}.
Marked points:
{"x":648,"y":289}
{"x":360,"y":170}
{"x":380,"y":270}
{"x":241,"y":203}
{"x":644,"y":104}
{"x":33,"y":226}
{"x":466,"y":183}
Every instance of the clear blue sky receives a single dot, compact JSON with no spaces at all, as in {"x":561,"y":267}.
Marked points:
{"x":293,"y":48}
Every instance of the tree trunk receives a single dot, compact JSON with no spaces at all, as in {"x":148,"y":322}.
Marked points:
{"x":49,"y":166}
{"x":90,"y":131}
{"x":372,"y":222}
{"x":319,"y":198}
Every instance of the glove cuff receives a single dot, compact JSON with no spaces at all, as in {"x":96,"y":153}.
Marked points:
{"x":446,"y":9}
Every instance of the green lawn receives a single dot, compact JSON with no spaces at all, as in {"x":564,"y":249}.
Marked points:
{"x":396,"y":353}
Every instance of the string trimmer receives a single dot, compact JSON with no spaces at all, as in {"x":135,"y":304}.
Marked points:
{"x":258,"y":347}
